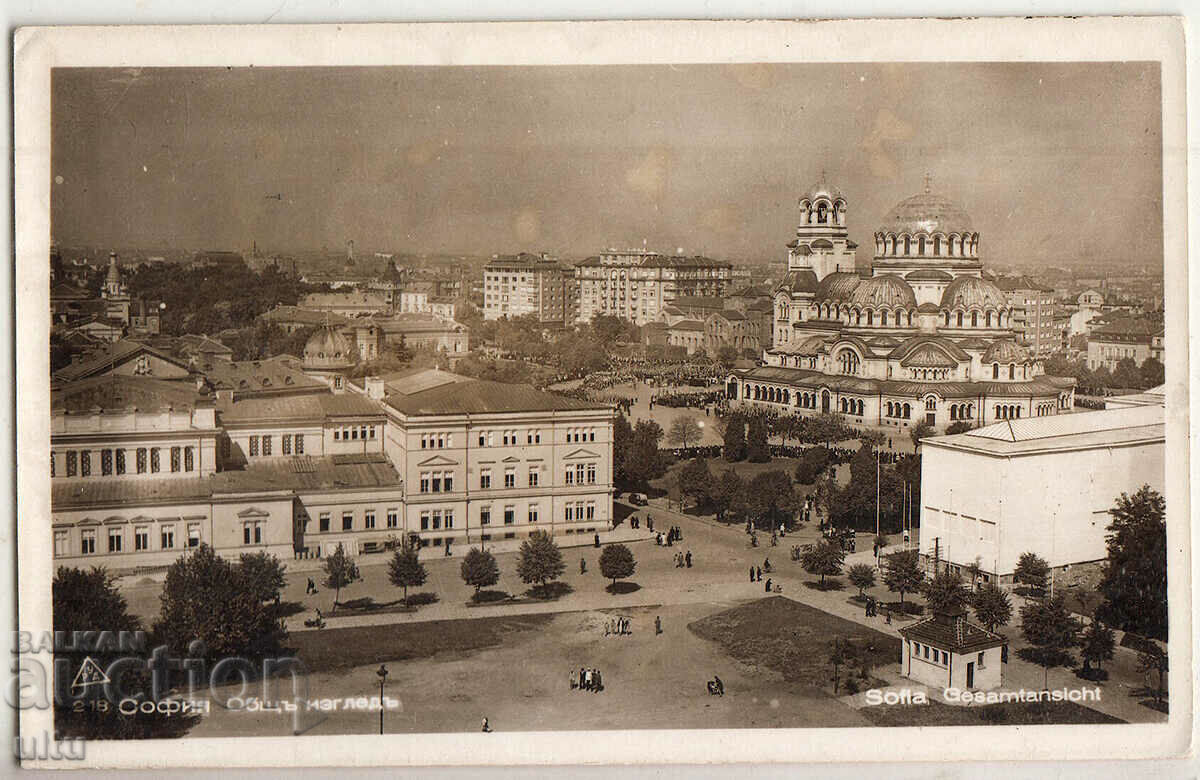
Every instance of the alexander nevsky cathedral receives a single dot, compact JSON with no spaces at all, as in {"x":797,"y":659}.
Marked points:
{"x":921,"y":337}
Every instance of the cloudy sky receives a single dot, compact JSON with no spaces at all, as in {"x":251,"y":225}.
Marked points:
{"x":1053,"y":162}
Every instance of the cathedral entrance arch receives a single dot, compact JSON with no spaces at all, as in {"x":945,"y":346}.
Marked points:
{"x":825,"y":401}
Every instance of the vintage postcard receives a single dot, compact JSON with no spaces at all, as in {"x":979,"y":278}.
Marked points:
{"x":602,"y":393}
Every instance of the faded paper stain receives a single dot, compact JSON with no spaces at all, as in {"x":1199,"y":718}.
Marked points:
{"x":527,"y":225}
{"x":888,"y":129}
{"x":649,"y":176}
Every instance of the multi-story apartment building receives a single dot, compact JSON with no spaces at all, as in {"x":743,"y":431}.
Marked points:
{"x":1032,"y":306}
{"x":517,"y":285}
{"x":1124,"y":338}
{"x":637,"y":284}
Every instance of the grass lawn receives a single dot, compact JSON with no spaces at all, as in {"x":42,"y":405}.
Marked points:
{"x":1007,"y":714}
{"x":791,"y":638}
{"x":342,"y":648}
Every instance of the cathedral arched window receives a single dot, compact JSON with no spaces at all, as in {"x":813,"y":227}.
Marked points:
{"x":974,"y":319}
{"x":848,"y":361}
{"x":907,"y":245}
{"x":870,"y":318}
{"x":959,"y":320}
{"x":987,"y":319}
{"x":883,"y":319}
{"x":1012,"y":371}
{"x":858,"y":318}
{"x":921,"y":245}
{"x":937,"y":245}
{"x":953,"y":412}
{"x":995,"y":370}
{"x":947,"y":319}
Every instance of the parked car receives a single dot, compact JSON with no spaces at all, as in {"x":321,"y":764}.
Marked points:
{"x":638,"y":499}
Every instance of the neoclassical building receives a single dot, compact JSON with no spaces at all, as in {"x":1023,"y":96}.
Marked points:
{"x":920,"y":337}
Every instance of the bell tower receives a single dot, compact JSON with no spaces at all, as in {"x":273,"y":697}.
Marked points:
{"x":822,"y":242}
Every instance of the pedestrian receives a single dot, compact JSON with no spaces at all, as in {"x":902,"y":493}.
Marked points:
{"x":596,"y":542}
{"x":582,"y":565}
{"x":607,"y":627}
{"x":587,"y":686}
{"x":887,"y":615}
{"x":688,"y":558}
{"x":573,"y":683}
{"x":312,"y":588}
{"x":649,"y":523}
{"x":752,"y":574}
{"x":582,"y":678}
{"x":486,"y":728}
{"x":767,"y":588}
{"x":657,"y":625}
{"x":758,"y":570}
{"x":597,"y":682}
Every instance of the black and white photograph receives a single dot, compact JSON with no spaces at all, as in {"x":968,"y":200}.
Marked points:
{"x":389,"y":401}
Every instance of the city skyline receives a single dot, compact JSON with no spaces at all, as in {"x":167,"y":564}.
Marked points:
{"x":496,"y":160}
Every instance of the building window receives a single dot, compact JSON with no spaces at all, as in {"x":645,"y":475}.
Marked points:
{"x":253,"y":446}
{"x":286,"y":449}
{"x":175,"y":453}
{"x":533,"y":513}
{"x":485,"y":515}
{"x":569,"y":475}
{"x":591,"y":510}
{"x":337,"y":434}
{"x":72,"y":463}
{"x":193,"y":530}
{"x":189,"y":459}
{"x":62,"y":542}
{"x":485,"y":479}
{"x":424,"y":441}
{"x":266,"y":445}
{"x":567,"y":513}
{"x":579,"y":472}
{"x":510,"y":478}
{"x":85,"y":463}
{"x":393,"y":518}
{"x":371,"y":431}
{"x":449,"y":518}
{"x":1012,"y":371}
{"x":323,"y":522}
{"x":591,"y":473}
{"x":347,"y":521}
{"x":106,"y":463}
{"x":369,"y":519}
{"x":115,"y":537}
{"x":141,"y":538}
{"x":424,"y":482}
{"x":166,"y":535}
{"x":252,"y":533}
{"x":436,"y":481}
{"x":533,"y":478}
{"x":509,"y":515}
{"x":337,"y":383}
{"x":140,"y":457}
{"x":87,"y":542}
{"x":299,"y":443}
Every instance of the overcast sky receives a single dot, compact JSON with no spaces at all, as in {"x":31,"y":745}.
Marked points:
{"x":1053,"y":162}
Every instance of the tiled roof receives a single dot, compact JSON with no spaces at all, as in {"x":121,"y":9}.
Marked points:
{"x":484,"y":397}
{"x":688,"y":325}
{"x":245,"y":377}
{"x":103,"y":491}
{"x":939,"y":632}
{"x":67,"y":291}
{"x":111,"y":355}
{"x":409,"y":322}
{"x":118,"y":392}
{"x":808,"y":378}
{"x":1127,"y":327}
{"x":415,"y":380}
{"x":315,"y":406}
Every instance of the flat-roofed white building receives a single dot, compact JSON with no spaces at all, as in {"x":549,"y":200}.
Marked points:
{"x":1043,"y":485}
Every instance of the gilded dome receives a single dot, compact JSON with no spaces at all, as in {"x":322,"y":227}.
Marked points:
{"x":328,"y":349}
{"x":887,"y":290}
{"x":972,"y":292}
{"x":926,"y":212}
{"x":837,"y":286}
{"x":1005,"y":351}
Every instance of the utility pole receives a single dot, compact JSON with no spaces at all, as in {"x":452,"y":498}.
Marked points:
{"x":876,"y":493}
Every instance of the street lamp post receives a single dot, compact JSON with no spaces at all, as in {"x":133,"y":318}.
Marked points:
{"x":383,"y":673}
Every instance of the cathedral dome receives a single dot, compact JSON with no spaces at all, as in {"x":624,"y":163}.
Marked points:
{"x":822,"y":189}
{"x":887,"y":290}
{"x":926,"y":212}
{"x":972,"y":292}
{"x":1005,"y":351}
{"x":327,"y":349}
{"x":801,"y":280}
{"x":837,"y":286}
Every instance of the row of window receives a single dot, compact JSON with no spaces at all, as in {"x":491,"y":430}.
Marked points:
{"x":146,"y":459}
{"x":933,"y":655}
{"x":290,"y":444}
{"x":354,"y":432}
{"x":325,"y":520}
{"x":142,"y":538}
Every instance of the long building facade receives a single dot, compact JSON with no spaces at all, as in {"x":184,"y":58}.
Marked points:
{"x":919,"y":337}
{"x":145,"y":466}
{"x":636,"y":284}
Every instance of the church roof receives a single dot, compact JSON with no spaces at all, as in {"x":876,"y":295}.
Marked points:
{"x":837,"y":286}
{"x":822,"y":243}
{"x":928,"y":355}
{"x":972,"y":292}
{"x":928,"y":275}
{"x":926,"y":212}
{"x":886,"y":290}
{"x":328,"y":349}
{"x":912,"y":344}
{"x":1006,"y":351}
{"x":822,"y":189}
{"x":801,"y":280}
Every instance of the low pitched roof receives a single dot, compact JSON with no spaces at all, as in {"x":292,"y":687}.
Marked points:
{"x":942,"y":633}
{"x":315,"y":407}
{"x":478,"y":396}
{"x":118,"y":392}
{"x":106,"y":358}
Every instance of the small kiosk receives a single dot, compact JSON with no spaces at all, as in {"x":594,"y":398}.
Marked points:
{"x":946,"y":651}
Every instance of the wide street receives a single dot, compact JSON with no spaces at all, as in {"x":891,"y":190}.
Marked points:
{"x":651,"y":681}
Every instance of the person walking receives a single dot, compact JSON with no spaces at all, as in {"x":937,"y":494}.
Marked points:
{"x":573,"y":683}
{"x":486,"y":727}
{"x":752,"y":574}
{"x":596,"y":543}
{"x":688,"y":559}
{"x":657,"y":625}
{"x":582,"y":565}
{"x":758,"y":570}
{"x":768,"y":585}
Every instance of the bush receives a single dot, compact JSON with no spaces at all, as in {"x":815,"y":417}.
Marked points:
{"x":812,"y":464}
{"x":851,"y":686}
{"x":1092,"y":673}
{"x":907,"y":607}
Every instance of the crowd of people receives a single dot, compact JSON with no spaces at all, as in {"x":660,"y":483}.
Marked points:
{"x":618,"y":626}
{"x":588,"y":680}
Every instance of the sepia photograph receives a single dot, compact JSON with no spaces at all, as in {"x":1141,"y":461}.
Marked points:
{"x":447,"y":399}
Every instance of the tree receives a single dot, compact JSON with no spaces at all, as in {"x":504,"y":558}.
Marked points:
{"x":839,"y":655}
{"x":1033,"y":571}
{"x":728,"y":356}
{"x":772,"y":497}
{"x":405,"y":570}
{"x":1051,"y":631}
{"x":1154,"y":659}
{"x":1126,"y":374}
{"x":945,"y":592}
{"x":757,"y":450}
{"x":622,"y":441}
{"x":862,"y":576}
{"x":479,"y":569}
{"x":992,"y":606}
{"x":643,"y":461}
{"x":1153,"y":373}
{"x":89,"y":601}
{"x":540,"y":560}
{"x":205,"y":597}
{"x":813,"y":462}
{"x":340,"y":571}
{"x":959,"y":426}
{"x":1134,"y":582}
{"x":920,"y":432}
{"x":902,"y":572}
{"x":1097,"y":644}
{"x":617,"y":563}
{"x":724,"y":492}
{"x":695,"y":480}
{"x":684,"y":430}
{"x":826,"y":428}
{"x":735,"y":438}
{"x":823,"y":558}
{"x":263,"y":574}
